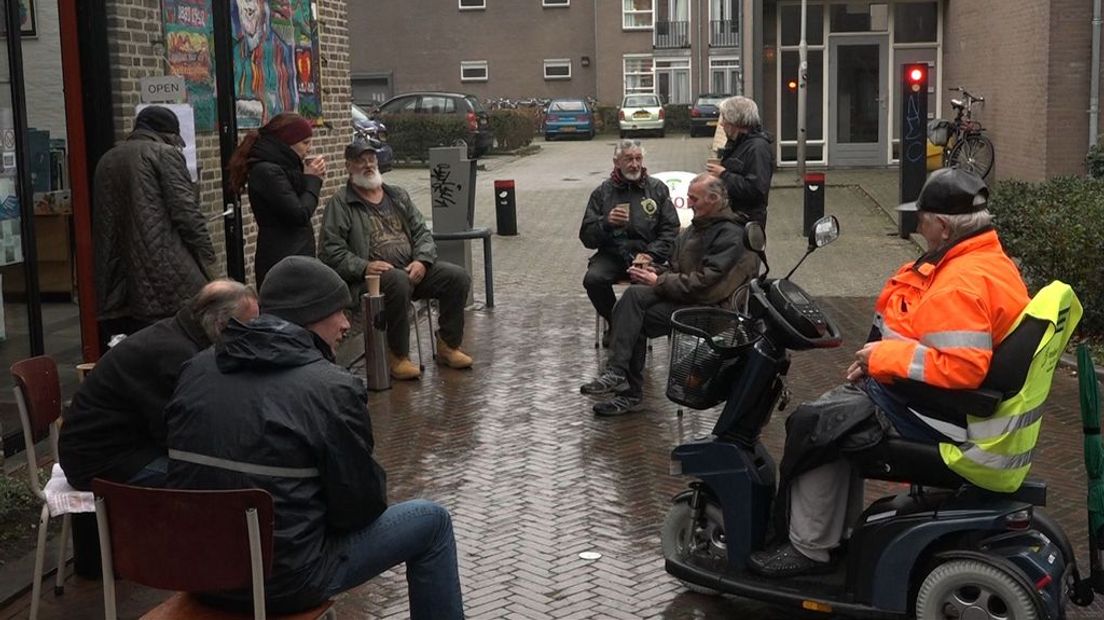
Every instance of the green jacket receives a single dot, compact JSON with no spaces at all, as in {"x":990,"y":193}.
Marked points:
{"x":346,"y":234}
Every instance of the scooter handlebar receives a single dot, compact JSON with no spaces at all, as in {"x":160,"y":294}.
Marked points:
{"x":796,"y":318}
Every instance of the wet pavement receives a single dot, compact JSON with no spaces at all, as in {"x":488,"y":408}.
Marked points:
{"x":532,"y":478}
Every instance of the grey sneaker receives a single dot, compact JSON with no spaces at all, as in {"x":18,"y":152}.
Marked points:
{"x":610,"y":381}
{"x":618,"y":405}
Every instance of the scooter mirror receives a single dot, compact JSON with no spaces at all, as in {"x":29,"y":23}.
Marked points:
{"x":825,"y":231}
{"x":754,"y":237}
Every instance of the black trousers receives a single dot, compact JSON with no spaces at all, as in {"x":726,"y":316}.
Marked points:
{"x":639,"y":314}
{"x":603,"y":271}
{"x":447,"y":283}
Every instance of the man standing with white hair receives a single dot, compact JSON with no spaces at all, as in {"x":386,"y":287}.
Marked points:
{"x":747,"y":160}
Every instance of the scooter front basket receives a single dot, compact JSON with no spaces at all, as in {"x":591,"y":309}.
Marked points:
{"x":706,"y":344}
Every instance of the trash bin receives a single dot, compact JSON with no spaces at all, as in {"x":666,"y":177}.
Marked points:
{"x":505,"y":208}
{"x":814,"y":200}
{"x":378,"y":375}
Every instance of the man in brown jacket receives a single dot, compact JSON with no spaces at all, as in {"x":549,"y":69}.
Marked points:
{"x":708,"y":264}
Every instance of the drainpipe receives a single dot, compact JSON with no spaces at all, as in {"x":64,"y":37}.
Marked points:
{"x":1094,"y":77}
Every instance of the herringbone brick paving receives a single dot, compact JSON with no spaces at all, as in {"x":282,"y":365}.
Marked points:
{"x":532,"y":477}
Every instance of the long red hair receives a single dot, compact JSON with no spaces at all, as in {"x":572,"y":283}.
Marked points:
{"x":239,"y":161}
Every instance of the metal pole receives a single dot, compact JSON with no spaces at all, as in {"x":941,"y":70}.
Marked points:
{"x":1094,"y":77}
{"x":228,"y":137}
{"x":802,"y":94}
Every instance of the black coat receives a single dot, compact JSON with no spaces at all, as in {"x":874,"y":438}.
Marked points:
{"x":152,"y":248}
{"x":268,"y":396}
{"x":652,"y":233}
{"x":283,"y":200}
{"x":115,"y":424}
{"x":749,"y":164}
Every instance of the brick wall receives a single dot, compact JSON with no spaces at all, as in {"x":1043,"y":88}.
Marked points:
{"x":137,"y":51}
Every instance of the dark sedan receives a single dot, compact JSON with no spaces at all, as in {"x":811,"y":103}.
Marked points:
{"x":704,"y":114}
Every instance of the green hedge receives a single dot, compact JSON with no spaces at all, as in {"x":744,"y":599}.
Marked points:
{"x":514,"y":129}
{"x":412,"y":135}
{"x":1054,"y":229}
{"x":677,"y":117}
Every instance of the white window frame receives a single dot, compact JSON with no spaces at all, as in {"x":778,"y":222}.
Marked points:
{"x":557,"y":62}
{"x":481,"y":7}
{"x":727,"y":64}
{"x":555,"y":4}
{"x":474,"y":64}
{"x":671,"y":66}
{"x":625,"y":74}
{"x":626,"y":12}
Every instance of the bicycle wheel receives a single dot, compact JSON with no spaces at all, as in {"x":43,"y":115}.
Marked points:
{"x":974,"y":153}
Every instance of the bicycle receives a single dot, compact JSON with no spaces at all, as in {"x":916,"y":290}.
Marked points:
{"x":964,"y":142}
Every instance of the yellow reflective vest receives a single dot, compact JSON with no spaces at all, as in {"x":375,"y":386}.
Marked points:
{"x":997,"y":452}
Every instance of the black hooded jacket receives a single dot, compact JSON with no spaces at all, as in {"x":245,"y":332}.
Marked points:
{"x":749,"y":164}
{"x":283,"y":200}
{"x":269,"y":396}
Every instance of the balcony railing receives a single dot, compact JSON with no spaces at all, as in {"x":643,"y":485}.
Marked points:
{"x":724,"y":33}
{"x":670,"y":35}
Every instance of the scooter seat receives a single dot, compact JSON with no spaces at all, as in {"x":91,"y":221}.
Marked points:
{"x":900,"y":460}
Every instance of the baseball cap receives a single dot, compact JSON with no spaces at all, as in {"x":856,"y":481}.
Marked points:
{"x":950,"y":191}
{"x":360,"y":146}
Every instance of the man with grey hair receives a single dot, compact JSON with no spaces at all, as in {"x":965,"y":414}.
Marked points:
{"x":629,"y":219}
{"x":747,"y":159}
{"x":115,"y":427}
{"x":937,"y":323}
{"x":708,"y":264}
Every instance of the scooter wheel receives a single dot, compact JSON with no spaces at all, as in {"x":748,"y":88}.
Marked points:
{"x":673,"y":537}
{"x":972,"y":589}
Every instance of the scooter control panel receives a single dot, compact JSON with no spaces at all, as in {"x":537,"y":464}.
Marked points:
{"x":798,"y":309}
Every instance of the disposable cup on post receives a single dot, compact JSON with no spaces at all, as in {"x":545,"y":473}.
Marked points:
{"x":377,"y":373}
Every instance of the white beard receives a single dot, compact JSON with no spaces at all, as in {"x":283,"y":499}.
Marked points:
{"x":631,"y":176}
{"x":371,"y":181}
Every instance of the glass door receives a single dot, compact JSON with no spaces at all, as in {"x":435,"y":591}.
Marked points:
{"x":857,"y":102}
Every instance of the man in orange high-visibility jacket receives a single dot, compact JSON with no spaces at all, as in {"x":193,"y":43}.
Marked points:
{"x":937,"y":323}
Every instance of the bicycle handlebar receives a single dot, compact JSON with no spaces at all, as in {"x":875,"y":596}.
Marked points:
{"x":966,"y":93}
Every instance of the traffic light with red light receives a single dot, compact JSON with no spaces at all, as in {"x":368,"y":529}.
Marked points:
{"x":912,"y":157}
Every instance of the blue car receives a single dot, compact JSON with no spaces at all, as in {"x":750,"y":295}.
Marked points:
{"x":568,"y":117}
{"x":374,"y":130}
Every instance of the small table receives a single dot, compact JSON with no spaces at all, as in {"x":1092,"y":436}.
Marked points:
{"x":488,"y":263}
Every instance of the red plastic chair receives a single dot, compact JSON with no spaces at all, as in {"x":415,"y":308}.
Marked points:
{"x":194,"y":541}
{"x":38,"y":397}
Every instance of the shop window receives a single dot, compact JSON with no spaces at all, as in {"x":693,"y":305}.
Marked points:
{"x":636,"y":14}
{"x":859,"y":17}
{"x":557,"y":69}
{"x":815,"y":99}
{"x":915,"y":22}
{"x":638,"y":74}
{"x":790,"y":21}
{"x":473,"y":71}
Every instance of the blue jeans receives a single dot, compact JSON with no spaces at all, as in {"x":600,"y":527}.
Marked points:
{"x":897,"y":412}
{"x":153,"y":474}
{"x":417,"y":532}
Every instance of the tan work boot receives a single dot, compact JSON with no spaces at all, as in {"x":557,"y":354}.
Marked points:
{"x":453,"y":358}
{"x":402,"y":368}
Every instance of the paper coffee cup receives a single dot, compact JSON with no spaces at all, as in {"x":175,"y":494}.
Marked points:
{"x":373,"y":283}
{"x":714,"y":161}
{"x":84,"y":369}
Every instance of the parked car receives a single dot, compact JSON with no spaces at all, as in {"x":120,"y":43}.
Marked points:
{"x":570,"y":117}
{"x":641,"y":113}
{"x":374,"y":129}
{"x":480,"y":137}
{"x":704,"y":114}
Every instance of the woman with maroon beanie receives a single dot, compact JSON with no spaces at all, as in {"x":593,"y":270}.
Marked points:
{"x":284,"y":185}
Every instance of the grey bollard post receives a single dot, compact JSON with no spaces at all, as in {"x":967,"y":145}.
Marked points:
{"x":375,"y":337}
{"x":452,"y":185}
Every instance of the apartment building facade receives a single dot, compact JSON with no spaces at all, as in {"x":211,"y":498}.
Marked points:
{"x":1029,"y":59}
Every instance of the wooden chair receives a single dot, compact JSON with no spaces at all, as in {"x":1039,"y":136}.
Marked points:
{"x":38,"y":398}
{"x":194,"y":541}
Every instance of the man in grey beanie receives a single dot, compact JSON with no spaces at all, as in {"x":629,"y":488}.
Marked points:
{"x":267,"y":408}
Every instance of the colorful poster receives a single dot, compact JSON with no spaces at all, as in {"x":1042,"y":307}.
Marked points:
{"x":275,"y":60}
{"x":189,"y":43}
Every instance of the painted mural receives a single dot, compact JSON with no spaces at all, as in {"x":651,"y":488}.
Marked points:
{"x":275,"y":60}
{"x":189,"y":44}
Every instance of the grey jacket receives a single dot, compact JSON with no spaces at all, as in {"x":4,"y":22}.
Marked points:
{"x":152,"y":248}
{"x":346,"y":234}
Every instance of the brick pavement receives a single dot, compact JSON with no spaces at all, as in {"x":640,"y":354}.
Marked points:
{"x":533,"y":479}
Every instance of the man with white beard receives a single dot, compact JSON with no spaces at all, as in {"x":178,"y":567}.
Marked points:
{"x":630,"y":220}
{"x":372,"y":228}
